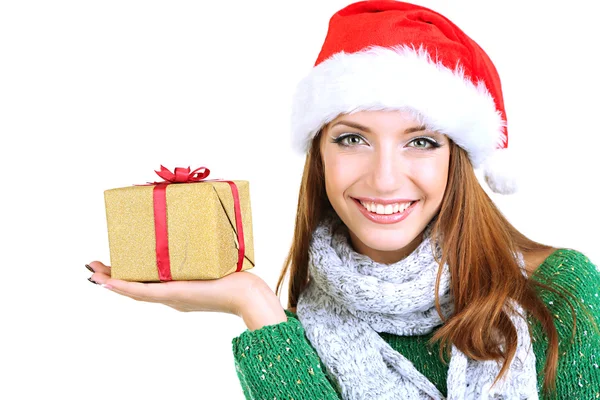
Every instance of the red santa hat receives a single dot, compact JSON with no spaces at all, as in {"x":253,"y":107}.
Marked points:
{"x":390,"y":55}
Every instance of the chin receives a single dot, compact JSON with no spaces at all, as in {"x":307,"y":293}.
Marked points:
{"x":386,"y":239}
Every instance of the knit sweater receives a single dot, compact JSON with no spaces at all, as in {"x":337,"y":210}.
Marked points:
{"x":278,"y":361}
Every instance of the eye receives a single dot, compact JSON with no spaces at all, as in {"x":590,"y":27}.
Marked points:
{"x":349,"y":139}
{"x":423,"y":143}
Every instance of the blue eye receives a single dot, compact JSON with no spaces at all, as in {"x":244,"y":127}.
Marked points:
{"x":348,"y":140}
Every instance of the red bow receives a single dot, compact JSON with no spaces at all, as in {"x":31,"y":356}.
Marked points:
{"x":183,"y":175}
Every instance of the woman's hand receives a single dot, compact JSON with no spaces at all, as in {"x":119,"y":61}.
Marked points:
{"x":240,"y":293}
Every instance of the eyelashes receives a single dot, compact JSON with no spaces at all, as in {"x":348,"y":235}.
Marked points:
{"x":427,"y":140}
{"x":353,"y":139}
{"x":341,"y":139}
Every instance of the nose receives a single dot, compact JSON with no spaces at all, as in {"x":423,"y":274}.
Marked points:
{"x":386,"y":170}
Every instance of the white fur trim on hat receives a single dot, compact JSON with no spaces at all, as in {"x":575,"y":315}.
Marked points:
{"x":398,"y":78}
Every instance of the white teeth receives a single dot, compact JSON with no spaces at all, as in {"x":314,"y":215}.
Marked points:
{"x":385,"y":209}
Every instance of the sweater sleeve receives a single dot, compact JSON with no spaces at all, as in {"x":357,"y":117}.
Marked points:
{"x":278,"y":362}
{"x":578,"y":371}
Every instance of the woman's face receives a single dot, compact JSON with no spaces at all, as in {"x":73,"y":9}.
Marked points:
{"x":385,"y":176}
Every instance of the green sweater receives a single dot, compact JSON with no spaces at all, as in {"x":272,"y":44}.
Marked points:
{"x":278,"y":361}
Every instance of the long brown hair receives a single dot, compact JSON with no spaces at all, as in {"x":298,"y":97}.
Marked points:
{"x":479,"y":246}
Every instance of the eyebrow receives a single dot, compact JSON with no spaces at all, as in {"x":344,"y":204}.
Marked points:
{"x":365,"y":129}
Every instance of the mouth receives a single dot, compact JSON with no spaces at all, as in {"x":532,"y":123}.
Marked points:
{"x":389,"y":213}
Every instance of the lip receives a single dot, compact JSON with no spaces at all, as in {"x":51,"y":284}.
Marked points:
{"x":387,"y":218}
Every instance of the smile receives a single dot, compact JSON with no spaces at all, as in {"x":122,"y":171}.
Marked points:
{"x":385,"y":213}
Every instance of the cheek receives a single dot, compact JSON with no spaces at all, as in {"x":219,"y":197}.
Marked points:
{"x":340,"y":174}
{"x":432,"y":177}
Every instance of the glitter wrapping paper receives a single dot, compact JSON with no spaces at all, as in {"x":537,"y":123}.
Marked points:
{"x":201,"y":231}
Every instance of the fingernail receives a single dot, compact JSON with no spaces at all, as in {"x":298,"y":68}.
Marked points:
{"x":93,"y":281}
{"x":89,"y":268}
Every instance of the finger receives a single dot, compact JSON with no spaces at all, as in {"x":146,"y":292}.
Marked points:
{"x":102,"y":279}
{"x":152,"y":292}
{"x":99,"y":278}
{"x":97,"y":266}
{"x":126,"y":294}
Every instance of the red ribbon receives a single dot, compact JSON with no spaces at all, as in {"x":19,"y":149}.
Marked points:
{"x":184,"y":175}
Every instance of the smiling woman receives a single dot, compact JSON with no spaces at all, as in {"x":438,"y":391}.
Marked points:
{"x":400,"y":259}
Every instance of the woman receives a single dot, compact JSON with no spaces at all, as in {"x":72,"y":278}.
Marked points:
{"x":406,"y":282}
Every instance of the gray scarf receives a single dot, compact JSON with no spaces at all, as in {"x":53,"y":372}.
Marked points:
{"x":350,"y":298}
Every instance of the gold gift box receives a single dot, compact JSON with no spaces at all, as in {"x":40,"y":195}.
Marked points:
{"x":201,"y":231}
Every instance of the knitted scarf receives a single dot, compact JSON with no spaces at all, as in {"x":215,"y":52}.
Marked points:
{"x":350,"y":298}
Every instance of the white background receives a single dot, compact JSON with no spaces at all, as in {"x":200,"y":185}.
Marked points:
{"x":97,"y":94}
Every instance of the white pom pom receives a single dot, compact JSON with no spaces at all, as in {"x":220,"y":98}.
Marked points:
{"x":500,"y":172}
